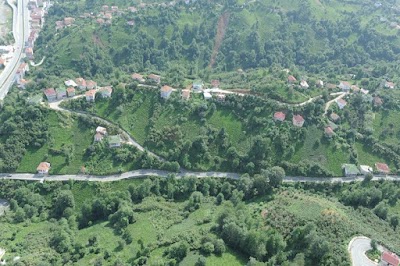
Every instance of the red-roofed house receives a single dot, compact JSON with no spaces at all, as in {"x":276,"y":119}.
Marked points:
{"x":155,"y":78}
{"x":378,"y":101}
{"x":43,"y":168}
{"x":279,"y":116}
{"x":68,"y":21}
{"x":98,"y":137}
{"x":166,"y":91}
{"x":215,"y":83}
{"x":81,"y":83}
{"x":221,"y":97}
{"x":71,"y":91}
{"x":90,"y":95}
{"x":389,"y":85}
{"x":29,"y":52}
{"x":382,"y":168}
{"x":344,"y":86}
{"x":341,"y":103}
{"x":329,"y":132}
{"x":291,"y":79}
{"x":334,"y":117}
{"x":298,"y":120}
{"x":138,"y":77}
{"x":90,"y":84}
{"x":51,"y":94}
{"x":389,"y":259}
{"x":106,"y":91}
{"x":185,"y":94}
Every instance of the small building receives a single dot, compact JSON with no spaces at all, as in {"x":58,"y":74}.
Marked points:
{"x":279,"y":116}
{"x":98,"y":137}
{"x":29,"y":52}
{"x":344,"y":86}
{"x":377,"y":101}
{"x":101,"y":130}
{"x":90,"y":85}
{"x":185,"y":94}
{"x":197,"y":85}
{"x":61,"y":93}
{"x":355,"y":88}
{"x":22,"y":83}
{"x":298,"y":120}
{"x":328,"y":132}
{"x":114,"y":141}
{"x":389,"y":85}
{"x":350,"y":170}
{"x":319,"y":84}
{"x":81,"y":83}
{"x":70,"y":91}
{"x":341,"y":103}
{"x":70,"y":83}
{"x":51,"y":94}
{"x":155,"y":78}
{"x":165,"y":91}
{"x":43,"y":168}
{"x":68,"y":21}
{"x":291,"y":79}
{"x":364,"y":91}
{"x":304,"y":84}
{"x":389,"y":259}
{"x":382,"y":168}
{"x":215,"y":83}
{"x":138,"y":77}
{"x":106,"y":92}
{"x":221,"y":97}
{"x":90,"y":95}
{"x":365,"y":169}
{"x":207,"y":95}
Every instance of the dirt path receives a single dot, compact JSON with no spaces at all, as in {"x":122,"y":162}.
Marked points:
{"x":221,"y":28}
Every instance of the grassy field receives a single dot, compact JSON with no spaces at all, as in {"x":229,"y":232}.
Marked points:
{"x":367,"y":157}
{"x":386,"y":126}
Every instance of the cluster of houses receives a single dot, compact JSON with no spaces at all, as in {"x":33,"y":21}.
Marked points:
{"x":353,"y":170}
{"x":297,"y":120}
{"x":70,"y":87}
{"x":38,"y":10}
{"x":114,"y":141}
{"x":66,"y":22}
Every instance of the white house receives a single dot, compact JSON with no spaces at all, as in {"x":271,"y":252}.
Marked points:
{"x":304,"y":84}
{"x":365,"y":169}
{"x":207,"y":95}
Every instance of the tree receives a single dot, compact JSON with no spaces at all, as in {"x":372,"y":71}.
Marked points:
{"x":276,"y":175}
{"x":64,"y":199}
{"x":122,"y":218}
{"x":368,"y":177}
{"x":394,"y":221}
{"x":381,"y":210}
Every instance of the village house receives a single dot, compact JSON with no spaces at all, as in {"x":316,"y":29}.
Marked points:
{"x":90,"y":95}
{"x":2,"y":63}
{"x":365,"y":169}
{"x":165,"y":91}
{"x":207,"y":95}
{"x":90,"y":84}
{"x":100,"y":21}
{"x":98,"y":137}
{"x":101,"y":130}
{"x":70,"y":83}
{"x":51,"y":94}
{"x":43,"y":168}
{"x":138,"y":77}
{"x":341,"y":103}
{"x":61,"y":93}
{"x":304,"y":84}
{"x":22,"y":69}
{"x":70,"y":91}
{"x":298,"y":120}
{"x":382,"y":168}
{"x":154,"y":78}
{"x":364,"y":91}
{"x":114,"y":141}
{"x":291,"y":79}
{"x":106,"y":92}
{"x":355,"y":88}
{"x":328,"y":132}
{"x":215,"y":84}
{"x":185,"y":94}
{"x":389,"y":85}
{"x":59,"y":24}
{"x":81,"y":83}
{"x":197,"y":85}
{"x":22,"y":83}
{"x":319,"y":84}
{"x":68,"y":21}
{"x":389,"y":259}
{"x":344,"y":86}
{"x":279,"y":116}
{"x":221,"y":97}
{"x":350,"y":170}
{"x":377,"y":101}
{"x":29,"y":52}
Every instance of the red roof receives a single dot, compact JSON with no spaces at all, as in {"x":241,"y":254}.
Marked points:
{"x":166,"y":88}
{"x":43,"y":166}
{"x":329,"y":131}
{"x":279,"y":116}
{"x":342,"y":102}
{"x":390,"y":258}
{"x":70,"y":89}
{"x":90,"y":93}
{"x":382,"y":167}
{"x":291,"y":78}
{"x":50,"y":92}
{"x":298,"y":118}
{"x":378,"y":100}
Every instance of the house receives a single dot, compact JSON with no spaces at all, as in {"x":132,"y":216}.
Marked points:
{"x":101,"y":130}
{"x":328,"y":132}
{"x":98,"y":137}
{"x":389,"y":85}
{"x":70,"y":83}
{"x":114,"y":141}
{"x":378,"y":101}
{"x":185,"y":94}
{"x":29,"y":52}
{"x":355,"y":88}
{"x":2,"y":63}
{"x":389,"y":259}
{"x":22,"y":69}
{"x":105,"y":92}
{"x":21,"y":83}
{"x":51,"y":94}
{"x":319,"y":84}
{"x":382,"y":168}
{"x":350,"y":170}
{"x":68,"y":21}
{"x":154,"y":78}
{"x":100,"y":21}
{"x":138,"y":77}
{"x":165,"y":91}
{"x":341,"y":103}
{"x":291,"y":79}
{"x":70,"y":91}
{"x":61,"y":93}
{"x":197,"y":85}
{"x":304,"y":84}
{"x":221,"y":97}
{"x":279,"y":116}
{"x":344,"y":86}
{"x":90,"y":95}
{"x":90,"y":85}
{"x":207,"y":95}
{"x":43,"y":168}
{"x":298,"y":120}
{"x":365,"y":169}
{"x":81,"y":83}
{"x":59,"y":24}
{"x":334,"y":117}
{"x":215,"y":83}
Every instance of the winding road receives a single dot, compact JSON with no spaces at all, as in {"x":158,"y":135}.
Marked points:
{"x":357,"y":248}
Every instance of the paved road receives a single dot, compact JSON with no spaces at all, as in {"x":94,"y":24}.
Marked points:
{"x":357,"y":248}
{"x":20,"y":20}
{"x":328,"y":104}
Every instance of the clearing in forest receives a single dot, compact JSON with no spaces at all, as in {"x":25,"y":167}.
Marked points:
{"x":221,"y":28}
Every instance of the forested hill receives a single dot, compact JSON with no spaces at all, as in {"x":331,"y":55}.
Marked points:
{"x":328,"y":36}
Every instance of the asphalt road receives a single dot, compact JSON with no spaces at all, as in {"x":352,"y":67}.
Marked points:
{"x":357,"y":248}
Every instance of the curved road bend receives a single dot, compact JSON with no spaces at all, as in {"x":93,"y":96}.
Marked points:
{"x":357,"y":248}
